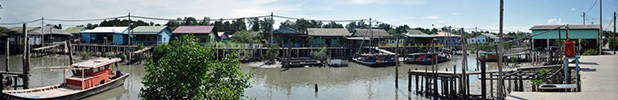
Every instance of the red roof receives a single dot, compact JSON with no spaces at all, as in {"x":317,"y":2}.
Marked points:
{"x":193,"y":30}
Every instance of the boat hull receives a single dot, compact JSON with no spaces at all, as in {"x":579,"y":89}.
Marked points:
{"x":74,"y":96}
{"x":375,"y":64}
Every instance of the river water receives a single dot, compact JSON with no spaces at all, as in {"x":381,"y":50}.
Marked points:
{"x":354,"y":82}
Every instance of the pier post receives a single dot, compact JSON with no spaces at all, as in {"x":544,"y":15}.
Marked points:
{"x":491,"y":85}
{"x":6,"y":55}
{"x":409,"y":82}
{"x":68,"y":43}
{"x":26,"y":58}
{"x":416,"y":82}
{"x":483,"y":78}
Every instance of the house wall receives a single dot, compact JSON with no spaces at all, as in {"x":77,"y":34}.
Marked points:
{"x":320,"y":41}
{"x":85,"y":37}
{"x":164,"y":36}
{"x":119,"y":39}
{"x":478,"y":39}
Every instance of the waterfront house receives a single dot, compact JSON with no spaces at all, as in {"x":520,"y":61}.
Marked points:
{"x":203,"y":33}
{"x":329,"y":37}
{"x":448,"y":39}
{"x":45,"y":34}
{"x":149,"y":35}
{"x":288,"y":37}
{"x":106,"y":35}
{"x":377,"y":36}
{"x":483,"y":38}
{"x":584,"y":35}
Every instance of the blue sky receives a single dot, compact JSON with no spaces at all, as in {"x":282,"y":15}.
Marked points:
{"x":483,"y":14}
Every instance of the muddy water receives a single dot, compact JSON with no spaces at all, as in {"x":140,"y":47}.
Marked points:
{"x":355,"y":82}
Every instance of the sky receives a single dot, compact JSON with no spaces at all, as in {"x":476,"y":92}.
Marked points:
{"x":519,"y":15}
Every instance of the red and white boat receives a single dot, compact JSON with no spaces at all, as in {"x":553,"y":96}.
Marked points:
{"x":89,"y":77}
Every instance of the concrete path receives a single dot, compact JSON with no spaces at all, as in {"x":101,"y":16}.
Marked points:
{"x":599,"y":82}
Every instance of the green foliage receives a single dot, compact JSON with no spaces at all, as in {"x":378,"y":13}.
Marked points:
{"x":140,"y":46}
{"x":590,"y":52}
{"x":184,"y":70}
{"x":321,"y":55}
{"x":273,"y":52}
{"x":244,"y":37}
{"x":332,"y":25}
{"x":541,"y":73}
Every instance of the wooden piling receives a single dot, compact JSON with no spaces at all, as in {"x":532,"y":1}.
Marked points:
{"x":26,"y":58}
{"x":483,"y":78}
{"x":6,"y":55}
{"x":70,"y":52}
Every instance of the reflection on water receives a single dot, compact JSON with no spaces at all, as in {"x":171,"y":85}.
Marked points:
{"x":352,"y":82}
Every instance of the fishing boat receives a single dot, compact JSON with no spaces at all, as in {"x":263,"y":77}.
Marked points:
{"x":375,"y":60}
{"x":425,"y":58}
{"x":89,"y":77}
{"x":491,"y":56}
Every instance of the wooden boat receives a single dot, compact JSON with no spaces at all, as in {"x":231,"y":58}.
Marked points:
{"x":89,"y":78}
{"x":337,"y":62}
{"x":425,"y":58}
{"x":491,"y":56}
{"x":375,"y":60}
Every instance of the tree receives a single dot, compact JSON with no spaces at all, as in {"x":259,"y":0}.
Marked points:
{"x":244,"y":37}
{"x":254,"y":23}
{"x":185,"y":70}
{"x":332,"y":25}
{"x":351,"y":27}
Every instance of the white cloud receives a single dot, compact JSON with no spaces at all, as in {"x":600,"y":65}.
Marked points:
{"x":554,"y":21}
{"x":573,"y":9}
{"x":432,"y":17}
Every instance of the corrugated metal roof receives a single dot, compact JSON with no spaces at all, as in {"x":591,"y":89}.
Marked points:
{"x":41,"y":31}
{"x":148,"y":29}
{"x":328,"y":32}
{"x":445,"y":34}
{"x":74,"y":29}
{"x":286,"y":30}
{"x":550,"y":27}
{"x":490,"y":35}
{"x":573,"y":34}
{"x":414,"y":32}
{"x":193,"y":30}
{"x":107,"y":30}
{"x":377,"y":33}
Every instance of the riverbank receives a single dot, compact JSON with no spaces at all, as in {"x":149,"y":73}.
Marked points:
{"x":599,"y":82}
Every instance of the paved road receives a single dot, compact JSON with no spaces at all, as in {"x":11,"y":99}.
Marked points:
{"x":599,"y":82}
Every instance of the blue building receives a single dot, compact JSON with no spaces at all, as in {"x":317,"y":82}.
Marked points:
{"x":106,"y":35}
{"x":149,"y":35}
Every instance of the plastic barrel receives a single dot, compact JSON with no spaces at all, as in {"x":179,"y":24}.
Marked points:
{"x":569,"y":48}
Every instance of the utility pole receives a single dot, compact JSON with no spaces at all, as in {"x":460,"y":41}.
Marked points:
{"x":130,"y":24}
{"x":271,"y":29}
{"x":584,"y":16}
{"x":614,"y":36}
{"x":600,"y":41}
{"x":500,"y":58}
{"x":371,"y":37}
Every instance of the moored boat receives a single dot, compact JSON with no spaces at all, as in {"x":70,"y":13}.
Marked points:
{"x":89,"y":78}
{"x":375,"y":60}
{"x":425,"y":58}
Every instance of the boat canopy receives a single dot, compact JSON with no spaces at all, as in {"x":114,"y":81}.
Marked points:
{"x":97,"y":62}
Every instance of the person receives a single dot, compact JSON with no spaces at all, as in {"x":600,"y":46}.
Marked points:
{"x":118,"y":74}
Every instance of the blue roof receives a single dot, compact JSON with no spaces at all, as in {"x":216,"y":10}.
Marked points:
{"x":286,"y":30}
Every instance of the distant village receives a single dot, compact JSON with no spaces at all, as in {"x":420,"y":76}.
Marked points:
{"x":299,"y":33}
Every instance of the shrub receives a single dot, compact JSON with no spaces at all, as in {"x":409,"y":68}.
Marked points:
{"x":590,"y":52}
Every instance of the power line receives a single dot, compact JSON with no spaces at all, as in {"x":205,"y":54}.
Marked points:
{"x":593,"y":4}
{"x":82,"y":20}
{"x":16,"y":23}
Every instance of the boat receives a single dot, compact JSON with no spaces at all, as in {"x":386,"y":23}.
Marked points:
{"x":337,"y":62}
{"x":375,"y":60}
{"x":425,"y":58}
{"x":89,"y":77}
{"x":491,"y":56}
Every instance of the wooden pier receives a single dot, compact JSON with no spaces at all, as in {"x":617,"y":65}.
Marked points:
{"x":453,"y":85}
